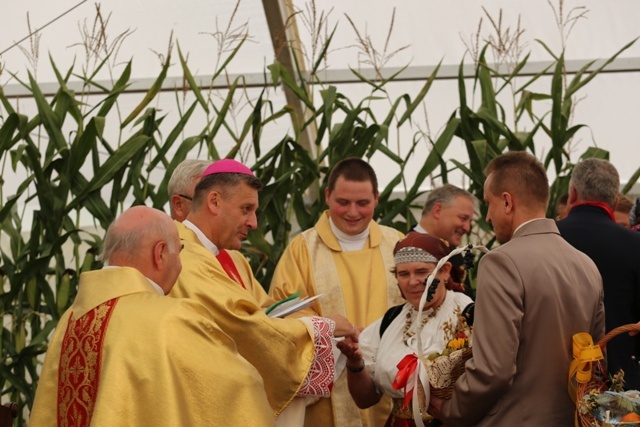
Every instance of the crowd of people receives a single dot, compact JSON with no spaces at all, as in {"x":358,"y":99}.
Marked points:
{"x":175,"y":329}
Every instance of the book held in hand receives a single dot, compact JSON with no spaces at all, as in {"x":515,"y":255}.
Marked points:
{"x":290,"y":304}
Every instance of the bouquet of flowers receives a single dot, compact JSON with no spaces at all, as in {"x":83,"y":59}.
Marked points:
{"x":460,"y":342}
{"x":445,"y":367}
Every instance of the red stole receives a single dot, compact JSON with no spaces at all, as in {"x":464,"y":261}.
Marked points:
{"x":229,"y":267}
{"x":80,"y":362}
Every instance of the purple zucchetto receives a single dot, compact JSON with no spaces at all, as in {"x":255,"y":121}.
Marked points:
{"x":227,"y":166}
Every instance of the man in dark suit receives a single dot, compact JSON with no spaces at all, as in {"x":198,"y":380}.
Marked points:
{"x":534,"y":293}
{"x":591,"y":228}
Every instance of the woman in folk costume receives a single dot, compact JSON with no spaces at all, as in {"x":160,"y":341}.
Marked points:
{"x":382,"y":360}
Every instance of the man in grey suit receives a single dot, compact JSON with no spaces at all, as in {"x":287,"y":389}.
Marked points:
{"x":535,"y":292}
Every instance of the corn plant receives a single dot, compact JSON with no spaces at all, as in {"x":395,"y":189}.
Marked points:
{"x":66,"y":174}
{"x":74,"y":169}
{"x":487,"y":133}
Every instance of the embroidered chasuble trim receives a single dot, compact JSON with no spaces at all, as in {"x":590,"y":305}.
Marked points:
{"x":319,"y":381}
{"x":80,"y":362}
{"x":229,"y":267}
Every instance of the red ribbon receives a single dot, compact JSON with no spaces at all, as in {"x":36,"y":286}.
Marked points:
{"x":406,"y":368}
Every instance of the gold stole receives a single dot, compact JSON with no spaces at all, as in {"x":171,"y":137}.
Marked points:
{"x":325,"y":272}
{"x":80,"y":361}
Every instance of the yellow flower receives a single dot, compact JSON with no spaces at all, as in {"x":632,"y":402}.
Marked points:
{"x":458,"y":343}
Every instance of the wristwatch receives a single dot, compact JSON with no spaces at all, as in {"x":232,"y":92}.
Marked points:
{"x":357,"y":369}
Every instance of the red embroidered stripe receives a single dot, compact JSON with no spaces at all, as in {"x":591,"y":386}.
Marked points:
{"x":319,"y":380}
{"x":80,"y":361}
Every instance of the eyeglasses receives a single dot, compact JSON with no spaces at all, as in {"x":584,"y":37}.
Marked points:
{"x":184,"y":196}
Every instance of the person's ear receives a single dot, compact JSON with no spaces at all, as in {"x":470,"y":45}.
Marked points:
{"x":175,"y":201}
{"x":445,"y":268}
{"x":327,"y":193}
{"x":508,"y":202}
{"x":445,"y":272}
{"x":158,"y":254}
{"x":177,"y":205}
{"x":573,"y":196}
{"x":437,"y":209}
{"x":213,"y":200}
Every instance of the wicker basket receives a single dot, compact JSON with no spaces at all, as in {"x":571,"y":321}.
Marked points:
{"x":598,"y":380}
{"x":443,"y":372}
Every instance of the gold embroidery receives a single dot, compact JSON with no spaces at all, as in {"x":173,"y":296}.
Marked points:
{"x":79,"y":371}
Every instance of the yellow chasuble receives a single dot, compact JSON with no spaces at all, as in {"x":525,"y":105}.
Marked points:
{"x":150,"y":365}
{"x":249,"y":281}
{"x":357,"y":284}
{"x":281,"y":349}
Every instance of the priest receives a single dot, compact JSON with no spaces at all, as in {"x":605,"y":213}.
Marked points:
{"x":125,"y":354}
{"x":294,"y":356}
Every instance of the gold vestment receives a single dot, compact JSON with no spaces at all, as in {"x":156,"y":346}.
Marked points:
{"x":164,"y":362}
{"x":357,"y":284}
{"x":281,"y":349}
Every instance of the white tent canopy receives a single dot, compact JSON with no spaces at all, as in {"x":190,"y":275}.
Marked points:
{"x":427,"y":32}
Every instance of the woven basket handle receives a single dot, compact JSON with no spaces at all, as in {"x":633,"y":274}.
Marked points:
{"x":617,"y":331}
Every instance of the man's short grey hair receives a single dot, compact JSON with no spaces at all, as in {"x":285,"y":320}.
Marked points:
{"x":184,"y":174}
{"x":596,"y":180}
{"x":129,"y":241}
{"x":445,"y":195}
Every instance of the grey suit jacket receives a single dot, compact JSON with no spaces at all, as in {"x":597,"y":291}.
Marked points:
{"x":534,"y":293}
